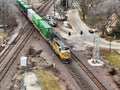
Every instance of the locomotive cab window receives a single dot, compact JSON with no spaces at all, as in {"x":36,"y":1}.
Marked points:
{"x":60,"y":49}
{"x":64,"y":48}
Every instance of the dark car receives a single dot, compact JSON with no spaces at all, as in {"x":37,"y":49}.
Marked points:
{"x":91,"y":31}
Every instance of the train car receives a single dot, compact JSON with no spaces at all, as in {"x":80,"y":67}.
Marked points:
{"x":60,"y":49}
{"x":45,"y":29}
{"x":30,"y":14}
{"x":19,"y":2}
{"x":23,"y":6}
{"x":35,"y":19}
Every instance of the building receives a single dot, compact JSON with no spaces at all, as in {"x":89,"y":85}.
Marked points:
{"x":112,"y":22}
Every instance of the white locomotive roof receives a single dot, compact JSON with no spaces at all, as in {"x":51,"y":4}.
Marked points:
{"x":61,"y":44}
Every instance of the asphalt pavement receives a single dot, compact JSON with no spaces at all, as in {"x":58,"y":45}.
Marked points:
{"x":78,"y":25}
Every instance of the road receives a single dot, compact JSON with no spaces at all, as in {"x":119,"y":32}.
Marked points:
{"x":78,"y":25}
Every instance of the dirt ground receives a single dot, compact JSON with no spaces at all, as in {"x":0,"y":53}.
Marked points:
{"x":43,"y":58}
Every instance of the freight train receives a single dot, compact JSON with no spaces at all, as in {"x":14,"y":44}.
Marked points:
{"x":47,"y":32}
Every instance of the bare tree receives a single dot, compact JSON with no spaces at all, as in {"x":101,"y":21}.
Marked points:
{"x":85,"y":6}
{"x":7,"y":16}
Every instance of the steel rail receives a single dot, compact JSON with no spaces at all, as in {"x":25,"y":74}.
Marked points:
{"x":12,"y":59}
{"x":89,"y":73}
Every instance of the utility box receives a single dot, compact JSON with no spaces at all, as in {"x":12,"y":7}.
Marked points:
{"x":23,"y":61}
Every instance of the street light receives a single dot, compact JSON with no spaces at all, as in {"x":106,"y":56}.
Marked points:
{"x":110,"y":40}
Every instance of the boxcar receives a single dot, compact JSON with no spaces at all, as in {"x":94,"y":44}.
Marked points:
{"x":45,"y":29}
{"x":18,"y":1}
{"x":21,"y":3}
{"x":25,"y":8}
{"x":35,"y":19}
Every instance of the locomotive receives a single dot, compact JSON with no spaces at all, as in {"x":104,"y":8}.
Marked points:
{"x":47,"y":32}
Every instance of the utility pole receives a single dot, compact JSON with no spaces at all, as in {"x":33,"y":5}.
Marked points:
{"x":66,"y":5}
{"x":110,"y":47}
{"x":71,"y":2}
{"x":110,"y":44}
{"x":96,"y":47}
{"x":95,"y":61}
{"x":54,"y":7}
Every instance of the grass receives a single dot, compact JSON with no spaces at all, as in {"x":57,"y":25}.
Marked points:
{"x":112,"y":57}
{"x":47,"y":81}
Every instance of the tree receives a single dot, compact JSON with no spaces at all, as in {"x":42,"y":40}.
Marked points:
{"x":116,"y":30}
{"x":7,"y":16}
{"x":84,"y":5}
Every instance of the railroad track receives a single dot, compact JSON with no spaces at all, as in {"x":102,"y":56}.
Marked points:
{"x":89,"y":73}
{"x":79,"y":78}
{"x":72,"y":70}
{"x":9,"y":48}
{"x":81,"y":81}
{"x":75,"y":75}
{"x":45,"y":8}
{"x":7,"y":62}
{"x":4,"y":54}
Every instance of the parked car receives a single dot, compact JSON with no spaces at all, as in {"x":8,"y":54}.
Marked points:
{"x":91,"y":31}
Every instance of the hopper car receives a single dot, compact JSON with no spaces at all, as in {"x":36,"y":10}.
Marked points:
{"x":47,"y":32}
